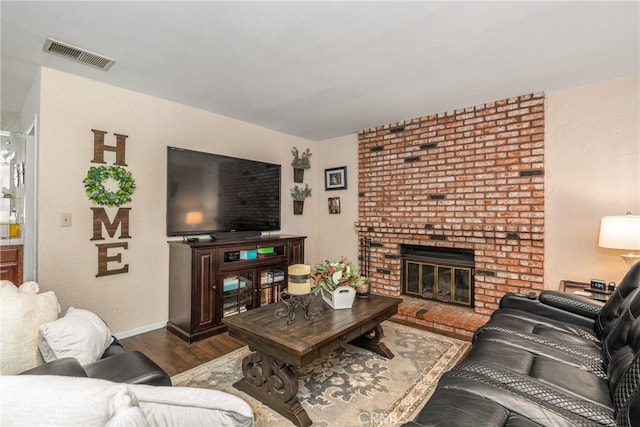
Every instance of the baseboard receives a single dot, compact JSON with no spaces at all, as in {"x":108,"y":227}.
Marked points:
{"x":140,"y":330}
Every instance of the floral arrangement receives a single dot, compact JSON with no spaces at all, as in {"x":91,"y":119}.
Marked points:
{"x":332,"y":274}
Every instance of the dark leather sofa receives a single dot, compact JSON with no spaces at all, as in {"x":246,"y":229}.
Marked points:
{"x":555,"y":360}
{"x":116,"y":364}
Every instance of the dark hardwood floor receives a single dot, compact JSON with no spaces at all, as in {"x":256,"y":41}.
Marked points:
{"x":175,"y":355}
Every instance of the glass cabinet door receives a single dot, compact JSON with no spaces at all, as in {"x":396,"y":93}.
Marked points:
{"x":237,"y":292}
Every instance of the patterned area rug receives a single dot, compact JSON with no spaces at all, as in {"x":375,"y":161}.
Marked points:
{"x":350,"y":386}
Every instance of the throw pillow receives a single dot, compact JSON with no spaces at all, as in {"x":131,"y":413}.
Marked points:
{"x":21,"y":314}
{"x":80,"y":334}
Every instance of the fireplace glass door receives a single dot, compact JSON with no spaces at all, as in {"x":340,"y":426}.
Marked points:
{"x":437,"y":281}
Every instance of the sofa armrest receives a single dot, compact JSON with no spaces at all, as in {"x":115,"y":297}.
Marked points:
{"x":577,"y":304}
{"x":114,"y":349}
{"x":131,"y":367}
{"x":561,"y":311}
{"x":67,"y":366}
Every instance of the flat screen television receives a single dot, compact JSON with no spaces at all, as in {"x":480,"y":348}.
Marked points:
{"x":220,"y":195}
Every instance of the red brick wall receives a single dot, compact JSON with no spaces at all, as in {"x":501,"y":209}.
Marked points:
{"x":470,"y":178}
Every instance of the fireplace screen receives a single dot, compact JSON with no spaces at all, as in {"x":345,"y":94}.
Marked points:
{"x":441,"y":277}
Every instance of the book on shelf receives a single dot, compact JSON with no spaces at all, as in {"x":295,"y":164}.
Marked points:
{"x":268,"y":277}
{"x":266,"y":251}
{"x":236,"y":298}
{"x":230,"y":303}
{"x":232,"y":284}
{"x":237,"y":310}
{"x":276,"y":290}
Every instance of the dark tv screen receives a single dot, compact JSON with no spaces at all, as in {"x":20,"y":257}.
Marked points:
{"x":209,"y":193}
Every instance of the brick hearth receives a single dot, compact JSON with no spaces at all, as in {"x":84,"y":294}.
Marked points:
{"x":470,"y":179}
{"x":450,"y":319}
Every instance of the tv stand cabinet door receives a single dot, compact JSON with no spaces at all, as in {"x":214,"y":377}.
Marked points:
{"x":205,"y":314}
{"x":296,"y":251}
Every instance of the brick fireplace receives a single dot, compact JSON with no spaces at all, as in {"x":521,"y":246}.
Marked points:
{"x":469,"y":179}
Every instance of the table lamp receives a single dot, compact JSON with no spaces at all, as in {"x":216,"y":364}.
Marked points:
{"x":621,"y":232}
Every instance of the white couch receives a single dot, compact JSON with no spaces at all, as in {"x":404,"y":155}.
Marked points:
{"x":47,"y":400}
{"x":43,"y":400}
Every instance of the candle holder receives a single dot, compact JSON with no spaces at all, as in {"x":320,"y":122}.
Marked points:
{"x":292,"y":302}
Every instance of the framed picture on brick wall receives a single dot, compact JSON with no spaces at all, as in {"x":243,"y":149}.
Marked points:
{"x":335,"y":178}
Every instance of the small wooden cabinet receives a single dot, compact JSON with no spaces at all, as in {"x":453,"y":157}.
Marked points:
{"x":11,"y":260}
{"x":215,"y":279}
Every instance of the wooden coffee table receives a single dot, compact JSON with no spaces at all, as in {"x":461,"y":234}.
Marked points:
{"x":277,"y":347}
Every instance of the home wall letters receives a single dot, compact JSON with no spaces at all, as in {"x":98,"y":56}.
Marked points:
{"x":98,"y":194}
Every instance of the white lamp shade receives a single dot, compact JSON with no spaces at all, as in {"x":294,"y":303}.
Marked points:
{"x":620,"y":232}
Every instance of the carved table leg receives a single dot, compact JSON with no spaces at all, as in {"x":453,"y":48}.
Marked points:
{"x":371,"y":342}
{"x":273,"y":383}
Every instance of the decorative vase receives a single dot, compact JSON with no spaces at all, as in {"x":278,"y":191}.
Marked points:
{"x":342,"y":297}
{"x":298,"y":175}
{"x":298,"y":206}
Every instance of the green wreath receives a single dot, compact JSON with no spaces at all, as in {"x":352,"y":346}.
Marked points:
{"x":99,"y":195}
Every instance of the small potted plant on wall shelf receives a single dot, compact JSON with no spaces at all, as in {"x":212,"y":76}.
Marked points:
{"x":299,"y":194}
{"x":300,"y":163}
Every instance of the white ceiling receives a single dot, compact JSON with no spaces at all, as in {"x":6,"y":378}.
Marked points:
{"x":324,"y":69}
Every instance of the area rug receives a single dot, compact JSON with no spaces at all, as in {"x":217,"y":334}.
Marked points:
{"x":350,"y":386}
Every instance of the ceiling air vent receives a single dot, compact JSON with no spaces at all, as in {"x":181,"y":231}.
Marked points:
{"x":77,"y":54}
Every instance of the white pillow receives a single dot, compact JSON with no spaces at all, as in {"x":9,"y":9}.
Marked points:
{"x":80,"y":334}
{"x":21,"y":314}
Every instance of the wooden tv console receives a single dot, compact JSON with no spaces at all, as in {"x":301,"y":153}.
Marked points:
{"x":211,"y":280}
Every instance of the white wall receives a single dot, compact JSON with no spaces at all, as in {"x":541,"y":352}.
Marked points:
{"x":592,"y":169}
{"x":336,"y":233}
{"x":69,"y":108}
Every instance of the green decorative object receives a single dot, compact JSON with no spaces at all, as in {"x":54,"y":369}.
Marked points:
{"x":99,"y":195}
{"x":299,"y":193}
{"x":300,"y":163}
